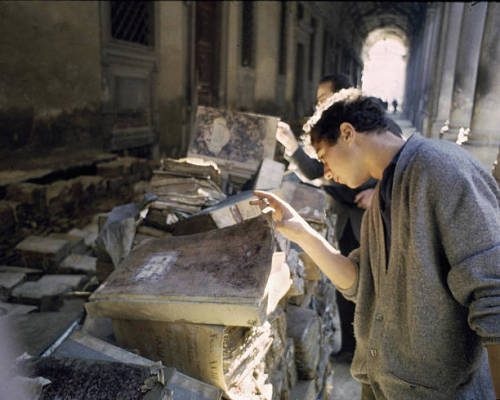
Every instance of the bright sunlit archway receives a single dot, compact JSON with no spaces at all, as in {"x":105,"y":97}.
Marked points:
{"x":384,"y":57}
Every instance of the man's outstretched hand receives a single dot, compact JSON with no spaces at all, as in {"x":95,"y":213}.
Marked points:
{"x":286,"y":220}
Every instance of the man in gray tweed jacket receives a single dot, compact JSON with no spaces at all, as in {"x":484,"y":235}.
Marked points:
{"x":426,"y":279}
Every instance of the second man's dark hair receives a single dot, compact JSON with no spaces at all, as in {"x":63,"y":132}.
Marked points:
{"x":339,"y":81}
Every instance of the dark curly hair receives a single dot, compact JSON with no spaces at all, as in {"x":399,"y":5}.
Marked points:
{"x":365,"y":113}
{"x":339,"y":81}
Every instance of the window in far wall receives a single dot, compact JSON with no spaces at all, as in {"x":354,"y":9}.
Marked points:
{"x":282,"y":54}
{"x":132,"y":21}
{"x":312,"y":42}
{"x":247,"y":34}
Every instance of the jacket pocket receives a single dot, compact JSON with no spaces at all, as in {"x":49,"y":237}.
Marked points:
{"x":396,"y":387}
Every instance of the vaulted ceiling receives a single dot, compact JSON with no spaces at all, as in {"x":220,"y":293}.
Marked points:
{"x":406,"y":17}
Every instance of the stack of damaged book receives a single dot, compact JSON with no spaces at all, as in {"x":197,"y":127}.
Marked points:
{"x":184,"y":187}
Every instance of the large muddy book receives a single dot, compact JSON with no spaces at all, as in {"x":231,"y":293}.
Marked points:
{"x":236,"y":141}
{"x":230,"y":276}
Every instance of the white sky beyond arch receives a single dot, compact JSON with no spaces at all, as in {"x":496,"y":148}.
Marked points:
{"x":384,"y":56}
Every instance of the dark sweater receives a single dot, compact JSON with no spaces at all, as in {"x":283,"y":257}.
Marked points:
{"x":421,"y":324}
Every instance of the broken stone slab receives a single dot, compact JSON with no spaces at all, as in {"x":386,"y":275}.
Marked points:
{"x":233,"y":283}
{"x":77,"y":243}
{"x":43,"y":252}
{"x":303,"y":326}
{"x":7,"y":309}
{"x":222,"y":356}
{"x":47,"y":291}
{"x":78,"y":264}
{"x":29,"y":272}
{"x":8,"y":281}
{"x":87,"y":236}
{"x":37,"y":332}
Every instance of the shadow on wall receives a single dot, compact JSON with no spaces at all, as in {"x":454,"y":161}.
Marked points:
{"x":20,"y":130}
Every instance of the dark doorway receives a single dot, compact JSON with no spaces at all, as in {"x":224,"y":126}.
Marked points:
{"x":207,"y":38}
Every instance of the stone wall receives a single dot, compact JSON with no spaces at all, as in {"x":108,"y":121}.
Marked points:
{"x":50,"y":86}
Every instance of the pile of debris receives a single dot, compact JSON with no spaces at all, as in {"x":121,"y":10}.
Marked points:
{"x":44,"y":200}
{"x":189,"y":293}
{"x":184,"y":187}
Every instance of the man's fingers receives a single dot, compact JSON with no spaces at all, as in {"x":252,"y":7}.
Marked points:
{"x":268,"y":202}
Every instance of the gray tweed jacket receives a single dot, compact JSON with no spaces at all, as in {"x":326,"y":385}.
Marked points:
{"x":423,"y":317}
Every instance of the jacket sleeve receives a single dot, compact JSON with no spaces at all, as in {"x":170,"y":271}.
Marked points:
{"x":467,"y":215}
{"x":310,"y":167}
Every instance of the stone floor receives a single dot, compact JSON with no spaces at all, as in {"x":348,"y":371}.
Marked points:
{"x":345,"y":387}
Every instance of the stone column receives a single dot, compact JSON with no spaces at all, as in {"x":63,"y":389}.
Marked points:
{"x":232,"y":52}
{"x":467,"y":66}
{"x":484,"y":138}
{"x":267,"y":16}
{"x":415,"y":76}
{"x":449,"y":49}
{"x":428,"y":61}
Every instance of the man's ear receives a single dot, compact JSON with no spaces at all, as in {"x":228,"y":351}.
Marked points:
{"x":347,"y":132}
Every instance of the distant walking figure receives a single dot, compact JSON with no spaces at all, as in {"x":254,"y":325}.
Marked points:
{"x":394,"y":105}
